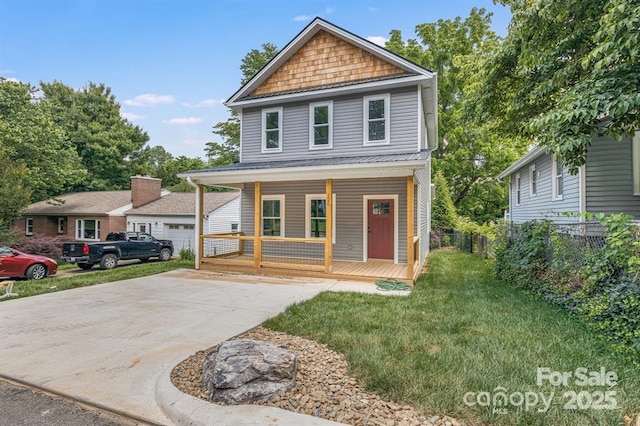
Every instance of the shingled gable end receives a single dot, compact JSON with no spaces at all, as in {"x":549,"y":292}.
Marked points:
{"x":326,"y":60}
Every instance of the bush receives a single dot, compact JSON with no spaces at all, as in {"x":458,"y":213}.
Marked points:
{"x":187,"y":253}
{"x":601,"y":285}
{"x":43,"y":245}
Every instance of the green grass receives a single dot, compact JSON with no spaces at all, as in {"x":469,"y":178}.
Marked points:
{"x":66,"y":282}
{"x":463,"y":331}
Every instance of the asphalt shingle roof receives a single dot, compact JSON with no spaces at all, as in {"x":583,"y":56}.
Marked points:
{"x":86,"y":203}
{"x":184,"y":203}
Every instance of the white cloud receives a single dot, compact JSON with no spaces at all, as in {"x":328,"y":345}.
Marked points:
{"x":329,"y":10}
{"x":373,"y":9}
{"x":301,"y":18}
{"x":192,"y":142}
{"x":13,"y":80}
{"x":131,"y":116}
{"x":379,"y":40}
{"x":149,"y":99}
{"x":204,"y":104}
{"x":183,"y":120}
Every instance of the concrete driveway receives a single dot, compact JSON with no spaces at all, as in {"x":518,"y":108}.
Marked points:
{"x":110,"y":344}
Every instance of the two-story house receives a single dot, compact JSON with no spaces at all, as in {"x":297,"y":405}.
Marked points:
{"x":334,"y":171}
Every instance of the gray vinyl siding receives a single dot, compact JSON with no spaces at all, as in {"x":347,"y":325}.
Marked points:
{"x":609,"y":173}
{"x":348,"y":117}
{"x":542,"y":205}
{"x":349,"y":211}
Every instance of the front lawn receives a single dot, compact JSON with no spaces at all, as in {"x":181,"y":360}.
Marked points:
{"x":463,"y":336}
{"x":57,"y":283}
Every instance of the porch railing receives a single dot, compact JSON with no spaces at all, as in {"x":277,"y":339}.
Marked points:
{"x":235,"y":248}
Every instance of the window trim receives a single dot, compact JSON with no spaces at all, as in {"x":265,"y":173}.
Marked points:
{"x":554,"y":179}
{"x":312,"y":106}
{"x":281,"y":198}
{"x":61,"y":225}
{"x":265,"y":111}
{"x":387,"y":119}
{"x":518,"y":189}
{"x":307,"y":214}
{"x":28,"y":224}
{"x":80,"y":228}
{"x":533,"y":178}
{"x":635,"y":147}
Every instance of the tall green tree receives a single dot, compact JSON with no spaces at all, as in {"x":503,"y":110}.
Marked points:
{"x":14,"y":192}
{"x":169,"y":169}
{"x":566,"y":72}
{"x":470,"y":154}
{"x":228,"y":150}
{"x":444,"y":217}
{"x":149,"y":159}
{"x":30,"y":138}
{"x":104,"y":140}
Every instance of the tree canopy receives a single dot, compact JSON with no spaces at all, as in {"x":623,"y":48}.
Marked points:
{"x":566,"y":72}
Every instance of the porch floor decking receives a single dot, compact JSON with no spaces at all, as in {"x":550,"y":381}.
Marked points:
{"x":341,"y":268}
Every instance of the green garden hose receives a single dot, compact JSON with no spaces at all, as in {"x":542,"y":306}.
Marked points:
{"x":392,"y":285}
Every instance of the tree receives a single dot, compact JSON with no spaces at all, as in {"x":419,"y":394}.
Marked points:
{"x":14,"y":193}
{"x":227,"y":152}
{"x":91,"y":120}
{"x":444,"y":217}
{"x":571,"y":71}
{"x":469,"y":154}
{"x":34,"y":146}
{"x":169,"y":170}
{"x":149,"y":160}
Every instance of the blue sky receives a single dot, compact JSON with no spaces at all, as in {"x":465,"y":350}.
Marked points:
{"x":170,"y":63}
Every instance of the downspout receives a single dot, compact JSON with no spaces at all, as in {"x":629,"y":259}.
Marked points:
{"x":198,"y":227}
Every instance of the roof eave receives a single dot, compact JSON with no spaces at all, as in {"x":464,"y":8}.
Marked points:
{"x":524,"y":160}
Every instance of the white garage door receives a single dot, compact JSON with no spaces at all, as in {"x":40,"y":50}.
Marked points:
{"x":182,"y":235}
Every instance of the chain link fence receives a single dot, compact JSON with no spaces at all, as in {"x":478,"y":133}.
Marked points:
{"x":468,"y":242}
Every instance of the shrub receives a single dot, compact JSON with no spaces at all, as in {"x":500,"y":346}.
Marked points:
{"x":43,"y":245}
{"x":187,"y":253}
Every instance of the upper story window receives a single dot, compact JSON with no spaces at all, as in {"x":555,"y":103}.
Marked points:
{"x":272,"y":130}
{"x":321,"y":125}
{"x":28,"y":226}
{"x":533,"y":180}
{"x":376,"y":120}
{"x":557,"y":172}
{"x":273,"y":215}
{"x":518,"y":192}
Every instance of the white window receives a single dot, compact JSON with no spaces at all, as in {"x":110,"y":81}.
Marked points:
{"x":272,"y":130}
{"x":189,"y":227}
{"x":636,"y":163}
{"x":533,"y":180}
{"x":376,"y":120}
{"x":316,"y":216}
{"x":273,"y":216}
{"x":61,"y":225}
{"x":321,"y":125}
{"x":88,"y":229}
{"x":234,"y":227}
{"x":517,"y":185}
{"x":557,"y":172}
{"x":28,"y":226}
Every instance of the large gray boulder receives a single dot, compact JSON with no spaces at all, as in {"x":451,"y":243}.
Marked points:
{"x":241,"y":371}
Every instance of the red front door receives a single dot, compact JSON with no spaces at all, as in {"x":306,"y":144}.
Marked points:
{"x":381,"y":235}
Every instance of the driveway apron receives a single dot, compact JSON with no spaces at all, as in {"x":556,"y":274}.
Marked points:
{"x":107,"y":344}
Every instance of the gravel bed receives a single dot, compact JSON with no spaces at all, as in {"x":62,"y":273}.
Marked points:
{"x":323,"y":387}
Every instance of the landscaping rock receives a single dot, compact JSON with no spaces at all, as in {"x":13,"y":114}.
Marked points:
{"x":244,"y":371}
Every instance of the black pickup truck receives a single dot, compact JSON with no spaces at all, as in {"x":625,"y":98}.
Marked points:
{"x":119,"y":245}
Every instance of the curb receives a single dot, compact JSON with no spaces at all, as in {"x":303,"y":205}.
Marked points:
{"x":186,"y":410}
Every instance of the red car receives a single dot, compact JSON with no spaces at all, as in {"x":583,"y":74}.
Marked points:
{"x":15,"y":264}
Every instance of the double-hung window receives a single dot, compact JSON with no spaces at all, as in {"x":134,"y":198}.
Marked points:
{"x":321,"y":125}
{"x":316,"y":216}
{"x":533,"y":180}
{"x":272,"y":130}
{"x":88,"y":229}
{"x":557,"y":171}
{"x":376,"y":119}
{"x":518,"y":192}
{"x":273,"y":216}
{"x":28,"y":226}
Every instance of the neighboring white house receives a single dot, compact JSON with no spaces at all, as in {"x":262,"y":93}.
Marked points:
{"x":171,"y":217}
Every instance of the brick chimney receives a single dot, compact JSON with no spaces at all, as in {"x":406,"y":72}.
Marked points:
{"x":144,"y":189}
